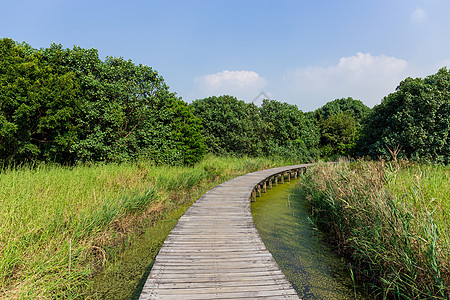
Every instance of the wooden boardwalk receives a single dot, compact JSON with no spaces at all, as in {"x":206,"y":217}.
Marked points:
{"x":215,"y":251}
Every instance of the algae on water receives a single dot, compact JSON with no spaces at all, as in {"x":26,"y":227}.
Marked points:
{"x":313,"y":269}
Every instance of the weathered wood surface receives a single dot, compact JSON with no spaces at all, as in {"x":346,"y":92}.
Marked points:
{"x":215,"y":251}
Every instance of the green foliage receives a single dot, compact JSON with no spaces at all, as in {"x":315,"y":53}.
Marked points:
{"x":38,"y":106}
{"x":338,"y":133}
{"x":415,"y":118}
{"x":348,"y":106}
{"x":276,"y":129}
{"x":230,"y":126}
{"x":69,"y":106}
{"x":339,"y":122}
{"x":287,"y":132}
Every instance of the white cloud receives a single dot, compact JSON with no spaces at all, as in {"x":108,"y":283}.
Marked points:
{"x":419,"y":15}
{"x":242,"y":84}
{"x":363,"y":76}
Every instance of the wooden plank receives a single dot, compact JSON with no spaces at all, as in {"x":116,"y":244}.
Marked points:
{"x":279,"y":294}
{"x":226,"y":268}
{"x":222,"y":289}
{"x":201,"y":264}
{"x":233,"y":275}
{"x":273,"y":279}
{"x":215,"y":251}
{"x":201,"y":285}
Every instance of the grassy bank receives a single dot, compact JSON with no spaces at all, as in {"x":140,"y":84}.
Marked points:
{"x":391,"y":219}
{"x":60,"y":226}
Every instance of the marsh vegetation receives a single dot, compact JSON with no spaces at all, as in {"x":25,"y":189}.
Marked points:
{"x":390,"y":219}
{"x":63,"y":225}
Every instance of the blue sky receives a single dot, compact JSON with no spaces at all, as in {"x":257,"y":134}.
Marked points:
{"x":301,"y":52}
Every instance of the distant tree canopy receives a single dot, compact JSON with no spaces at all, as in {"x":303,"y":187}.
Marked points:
{"x":339,"y":123}
{"x":68,"y":106}
{"x":229,"y":125}
{"x":235,"y":127}
{"x":288,"y":132}
{"x":415,"y":118}
{"x":349,"y":106}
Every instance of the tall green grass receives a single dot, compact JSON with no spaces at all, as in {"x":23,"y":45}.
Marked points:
{"x":61,"y":225}
{"x":391,"y":219}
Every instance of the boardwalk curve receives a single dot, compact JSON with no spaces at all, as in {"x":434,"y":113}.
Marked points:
{"x":215,"y":251}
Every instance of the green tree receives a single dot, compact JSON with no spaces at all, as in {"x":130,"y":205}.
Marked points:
{"x":230,"y":126}
{"x":38,"y":106}
{"x":340,"y":123}
{"x":415,"y":118}
{"x":67,"y":106}
{"x":288,"y":132}
{"x":235,"y":127}
{"x":349,"y":106}
{"x":128,"y":111}
{"x":338,"y":134}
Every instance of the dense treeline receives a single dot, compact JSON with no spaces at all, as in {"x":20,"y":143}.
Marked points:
{"x":411,"y":123}
{"x":234,"y":127}
{"x":69,"y":106}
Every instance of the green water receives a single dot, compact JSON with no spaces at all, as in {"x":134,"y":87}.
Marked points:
{"x":125,"y":279}
{"x":313,"y":269}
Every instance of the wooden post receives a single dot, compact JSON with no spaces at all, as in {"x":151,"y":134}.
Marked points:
{"x":258,"y":193}
{"x":282,"y":178}
{"x":270,"y":183}
{"x":289,"y":176}
{"x":276,"y":180}
{"x":253,"y":198}
{"x":295,"y":174}
{"x":264,"y":187}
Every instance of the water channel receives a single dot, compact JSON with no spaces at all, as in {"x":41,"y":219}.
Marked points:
{"x":313,"y":269}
